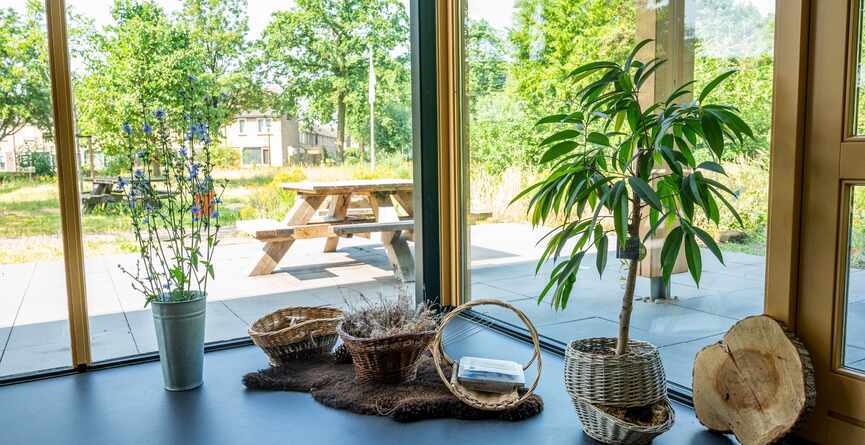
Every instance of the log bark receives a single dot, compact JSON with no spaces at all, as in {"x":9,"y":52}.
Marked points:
{"x":757,"y":383}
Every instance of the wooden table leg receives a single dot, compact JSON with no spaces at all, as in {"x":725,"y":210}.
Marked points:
{"x":304,"y":209}
{"x":399,"y":255}
{"x":273,"y":253}
{"x":339,"y":212}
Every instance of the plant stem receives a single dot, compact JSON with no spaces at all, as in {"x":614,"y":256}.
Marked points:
{"x":630,"y":283}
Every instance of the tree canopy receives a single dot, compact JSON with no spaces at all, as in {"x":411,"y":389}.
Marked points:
{"x":317,"y":52}
{"x":25,"y":87}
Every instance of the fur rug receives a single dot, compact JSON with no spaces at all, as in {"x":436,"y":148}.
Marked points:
{"x":332,"y":384}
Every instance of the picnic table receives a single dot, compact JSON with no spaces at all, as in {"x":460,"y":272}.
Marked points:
{"x":104,"y":190}
{"x":331,"y":210}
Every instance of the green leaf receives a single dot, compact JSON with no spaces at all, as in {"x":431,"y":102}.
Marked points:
{"x":560,"y":136}
{"x":620,"y":217}
{"x":601,"y":245}
{"x":558,"y":150}
{"x":630,"y":60}
{"x":712,"y":133}
{"x":645,"y":192}
{"x":598,"y":138}
{"x":692,"y":255}
{"x":712,"y":166}
{"x":714,"y":83}
{"x":670,"y":252}
{"x":709,"y":242}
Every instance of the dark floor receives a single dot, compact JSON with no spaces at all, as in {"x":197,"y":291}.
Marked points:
{"x":128,"y":406}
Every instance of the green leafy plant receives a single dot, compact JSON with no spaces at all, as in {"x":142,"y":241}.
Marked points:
{"x":614,"y":161}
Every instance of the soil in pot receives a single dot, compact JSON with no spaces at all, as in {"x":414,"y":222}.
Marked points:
{"x":645,"y":416}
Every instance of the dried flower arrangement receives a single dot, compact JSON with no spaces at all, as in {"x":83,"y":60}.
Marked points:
{"x":381,"y":317}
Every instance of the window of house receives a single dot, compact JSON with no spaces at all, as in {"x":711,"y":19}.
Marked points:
{"x":241,"y":126}
{"x":264,"y":125}
{"x":251,"y":156}
{"x":265,"y":156}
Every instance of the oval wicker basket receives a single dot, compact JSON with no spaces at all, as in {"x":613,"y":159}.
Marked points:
{"x":390,"y":359}
{"x":609,"y":429}
{"x":296,"y":332}
{"x":596,"y":375}
{"x":476,"y":399}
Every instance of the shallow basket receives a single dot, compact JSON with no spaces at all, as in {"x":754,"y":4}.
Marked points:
{"x":296,"y":333}
{"x":594,"y":374}
{"x":391,"y":359}
{"x":608,"y":429}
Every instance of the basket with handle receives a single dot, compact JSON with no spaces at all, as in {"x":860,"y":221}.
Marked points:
{"x":296,"y":332}
{"x":477,"y":399}
{"x":391,"y":359}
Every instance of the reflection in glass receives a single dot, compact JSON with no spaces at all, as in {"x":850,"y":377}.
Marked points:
{"x":859,"y":77}
{"x":517,"y":56}
{"x":854,"y":313}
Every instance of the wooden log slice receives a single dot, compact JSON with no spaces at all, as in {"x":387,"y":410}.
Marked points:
{"x":757,"y":383}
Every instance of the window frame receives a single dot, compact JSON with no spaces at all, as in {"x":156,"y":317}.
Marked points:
{"x":423,"y":66}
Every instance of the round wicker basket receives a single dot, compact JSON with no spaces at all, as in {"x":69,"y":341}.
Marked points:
{"x":391,"y":359}
{"x":609,"y":429}
{"x":295,"y":333}
{"x":594,"y":375}
{"x":479,"y":400}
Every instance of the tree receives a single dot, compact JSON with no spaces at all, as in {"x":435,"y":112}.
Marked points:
{"x":486,"y":57}
{"x":318,"y":53}
{"x":148,"y":59}
{"x":603,"y":154}
{"x":25,"y":86}
{"x":552,"y":37}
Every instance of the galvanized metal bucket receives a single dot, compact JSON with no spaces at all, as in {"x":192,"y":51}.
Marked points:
{"x":180,"y":334}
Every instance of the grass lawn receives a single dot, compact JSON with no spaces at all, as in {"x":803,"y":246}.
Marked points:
{"x":30,"y":211}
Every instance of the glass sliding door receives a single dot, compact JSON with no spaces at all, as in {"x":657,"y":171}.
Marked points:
{"x":516,"y":59}
{"x":311,"y":129}
{"x":34,"y":328}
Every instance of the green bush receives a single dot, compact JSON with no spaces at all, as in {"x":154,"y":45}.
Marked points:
{"x":225,"y":157}
{"x":271,"y":201}
{"x":41,"y":163}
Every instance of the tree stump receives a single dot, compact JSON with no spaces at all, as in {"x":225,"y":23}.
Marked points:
{"x":757,"y":383}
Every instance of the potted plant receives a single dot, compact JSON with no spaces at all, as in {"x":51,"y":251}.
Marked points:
{"x":173,"y":202}
{"x":386,"y":338}
{"x":616,"y":165}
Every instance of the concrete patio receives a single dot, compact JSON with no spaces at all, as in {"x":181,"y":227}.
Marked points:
{"x":34,"y":332}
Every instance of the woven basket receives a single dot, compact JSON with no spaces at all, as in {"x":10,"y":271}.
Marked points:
{"x":609,"y":429}
{"x":596,"y":375}
{"x":296,"y":332}
{"x":391,"y":359}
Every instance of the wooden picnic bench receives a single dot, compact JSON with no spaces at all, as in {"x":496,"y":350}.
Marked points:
{"x":103,"y":191}
{"x":354,"y":208}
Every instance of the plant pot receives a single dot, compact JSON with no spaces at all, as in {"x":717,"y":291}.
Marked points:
{"x":391,"y":359}
{"x":594,"y":376}
{"x":180,"y":335}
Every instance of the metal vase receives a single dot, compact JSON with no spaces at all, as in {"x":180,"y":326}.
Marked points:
{"x":180,"y":334}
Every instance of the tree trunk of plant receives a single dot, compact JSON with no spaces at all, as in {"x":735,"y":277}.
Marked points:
{"x":340,"y":126}
{"x":630,"y":283}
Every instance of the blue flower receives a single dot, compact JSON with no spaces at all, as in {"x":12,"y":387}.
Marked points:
{"x":146,"y":220}
{"x":193,"y":171}
{"x":148,"y":130}
{"x":182,"y":152}
{"x":138,"y":173}
{"x":127,"y":128}
{"x":121,"y":183}
{"x":141,"y":154}
{"x":215,"y":214}
{"x":160,"y":114}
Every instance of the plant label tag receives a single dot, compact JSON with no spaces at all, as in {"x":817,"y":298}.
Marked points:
{"x":630,"y":250}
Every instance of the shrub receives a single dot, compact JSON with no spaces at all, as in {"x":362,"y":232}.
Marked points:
{"x":225,"y":157}
{"x":271,"y":201}
{"x":42,"y":162}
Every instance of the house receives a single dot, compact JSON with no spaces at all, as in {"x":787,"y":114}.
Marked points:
{"x":28,"y":138}
{"x":268,"y":138}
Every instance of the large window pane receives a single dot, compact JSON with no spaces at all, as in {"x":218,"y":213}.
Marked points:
{"x":518,"y":54}
{"x":854,"y":305}
{"x":291,"y":81}
{"x":34,"y":331}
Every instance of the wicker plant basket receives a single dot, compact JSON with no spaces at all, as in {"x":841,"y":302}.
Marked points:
{"x":609,"y":429}
{"x":594,"y":375}
{"x":295,"y":333}
{"x":391,"y":359}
